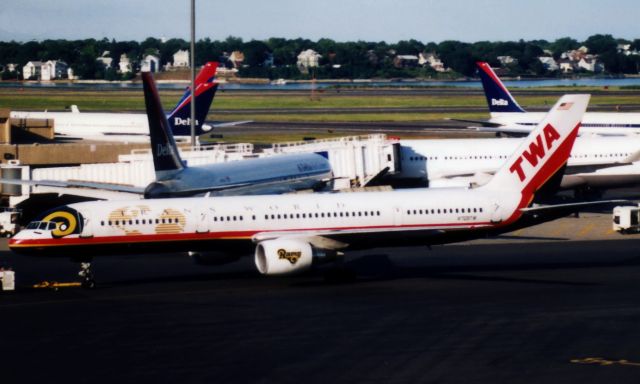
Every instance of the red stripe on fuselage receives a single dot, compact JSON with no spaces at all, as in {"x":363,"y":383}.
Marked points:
{"x":151,"y":238}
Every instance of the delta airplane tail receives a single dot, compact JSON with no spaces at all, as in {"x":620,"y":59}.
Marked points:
{"x":498,"y":97}
{"x":166,"y":159}
{"x":543,"y":153}
{"x":180,"y":118}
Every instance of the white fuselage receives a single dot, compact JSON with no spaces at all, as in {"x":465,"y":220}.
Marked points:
{"x":94,"y":125}
{"x":199,"y":222}
{"x":458,"y":162}
{"x":601,"y":123}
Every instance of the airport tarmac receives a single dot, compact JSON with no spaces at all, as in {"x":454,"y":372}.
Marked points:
{"x":553,"y":303}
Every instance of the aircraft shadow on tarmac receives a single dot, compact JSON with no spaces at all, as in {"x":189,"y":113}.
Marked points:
{"x":376,"y":268}
{"x":379,"y":267}
{"x":465,"y":264}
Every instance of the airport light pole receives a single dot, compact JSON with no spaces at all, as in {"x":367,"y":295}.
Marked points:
{"x":193,"y":73}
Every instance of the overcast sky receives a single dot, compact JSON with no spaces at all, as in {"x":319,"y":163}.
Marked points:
{"x":342,"y":20}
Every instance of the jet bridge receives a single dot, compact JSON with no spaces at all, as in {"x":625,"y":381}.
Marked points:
{"x":355,"y":161}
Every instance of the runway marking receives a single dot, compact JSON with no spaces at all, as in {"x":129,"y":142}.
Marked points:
{"x":559,"y":229}
{"x":604,"y":362}
{"x":586,"y":229}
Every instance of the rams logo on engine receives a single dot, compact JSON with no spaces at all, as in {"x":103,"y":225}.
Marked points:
{"x":67,"y":222}
{"x":292,"y":257}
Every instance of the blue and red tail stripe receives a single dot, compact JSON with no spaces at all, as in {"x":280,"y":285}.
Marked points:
{"x":179,"y":118}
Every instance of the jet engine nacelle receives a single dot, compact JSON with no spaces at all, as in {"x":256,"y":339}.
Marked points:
{"x":213,"y":258}
{"x":157,"y":190}
{"x":288,"y":256}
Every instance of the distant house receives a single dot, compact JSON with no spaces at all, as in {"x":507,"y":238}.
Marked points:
{"x":268,"y":60}
{"x":237,"y":59}
{"x":150,"y":63}
{"x":53,"y":69}
{"x":105,"y":59}
{"x":507,"y":60}
{"x":308,"y":59}
{"x":372,"y":57}
{"x":566,"y":66}
{"x":591,"y":64}
{"x":549,"y":63}
{"x":626,"y":50}
{"x":623,"y":48}
{"x":575,"y":54}
{"x":124,"y":65}
{"x":432,"y":60}
{"x":10,"y":67}
{"x":32,"y":70}
{"x":181,"y":59}
{"x":405,"y":61}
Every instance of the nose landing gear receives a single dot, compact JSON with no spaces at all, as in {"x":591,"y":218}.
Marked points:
{"x":86,"y":274}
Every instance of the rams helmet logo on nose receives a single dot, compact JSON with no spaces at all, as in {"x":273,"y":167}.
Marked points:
{"x":66,"y":222}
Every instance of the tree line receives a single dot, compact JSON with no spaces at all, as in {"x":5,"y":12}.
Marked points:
{"x":277,"y":57}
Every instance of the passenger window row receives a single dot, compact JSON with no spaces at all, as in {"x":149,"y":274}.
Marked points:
{"x":436,"y":211}
{"x":320,"y":215}
{"x":485,"y":157}
{"x":490,"y":157}
{"x":171,"y":220}
{"x":600,"y":155}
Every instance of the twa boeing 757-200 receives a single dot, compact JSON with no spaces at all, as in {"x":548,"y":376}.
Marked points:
{"x":508,"y":117}
{"x":289,"y":233}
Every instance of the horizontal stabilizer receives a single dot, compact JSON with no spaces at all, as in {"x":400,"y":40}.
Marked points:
{"x":572,"y":207}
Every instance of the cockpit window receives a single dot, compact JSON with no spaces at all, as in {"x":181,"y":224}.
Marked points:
{"x":33,"y":225}
{"x":43,"y":225}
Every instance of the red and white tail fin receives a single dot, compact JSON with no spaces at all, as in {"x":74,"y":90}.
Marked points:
{"x":544,"y":151}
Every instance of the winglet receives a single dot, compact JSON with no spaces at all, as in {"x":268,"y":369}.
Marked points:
{"x":498,"y":96}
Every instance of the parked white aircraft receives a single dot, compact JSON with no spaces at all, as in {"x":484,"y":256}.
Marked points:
{"x":133,"y":127}
{"x":507,"y":116}
{"x":595,"y":162}
{"x":290,"y":232}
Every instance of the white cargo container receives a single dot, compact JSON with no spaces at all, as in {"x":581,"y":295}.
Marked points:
{"x":626,"y":219}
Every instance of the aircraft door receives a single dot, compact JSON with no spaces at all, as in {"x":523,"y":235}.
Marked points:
{"x":496,"y":212}
{"x":87,"y":223}
{"x":397,"y":216}
{"x":202,"y":224}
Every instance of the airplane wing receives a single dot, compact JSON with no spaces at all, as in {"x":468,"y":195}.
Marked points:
{"x":314,"y":239}
{"x":337,"y":239}
{"x":221,"y":124}
{"x":483,"y":123}
{"x":508,"y":130}
{"x":76,"y":184}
